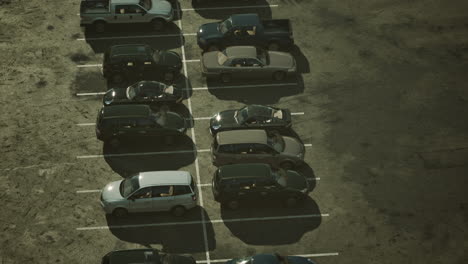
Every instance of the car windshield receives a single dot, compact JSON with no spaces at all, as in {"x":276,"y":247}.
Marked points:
{"x":146,"y":4}
{"x":280,"y":177}
{"x":129,"y":185}
{"x":276,"y":142}
{"x":241,"y":115}
{"x":132,"y":91}
{"x":225,"y":26}
{"x":262,"y":55}
{"x":222,"y":58}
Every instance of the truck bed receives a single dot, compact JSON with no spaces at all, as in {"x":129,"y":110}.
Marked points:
{"x":94,"y":6}
{"x":277,"y":26}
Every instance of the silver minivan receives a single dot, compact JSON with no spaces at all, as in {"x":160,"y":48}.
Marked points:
{"x":151,"y":191}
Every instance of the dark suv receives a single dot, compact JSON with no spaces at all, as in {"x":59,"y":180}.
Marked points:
{"x":117,"y":121}
{"x":138,"y":61}
{"x":235,"y":183}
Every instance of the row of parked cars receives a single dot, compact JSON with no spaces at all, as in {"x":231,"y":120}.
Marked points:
{"x":254,"y":157}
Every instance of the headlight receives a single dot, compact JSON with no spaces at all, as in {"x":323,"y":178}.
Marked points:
{"x":215,"y":127}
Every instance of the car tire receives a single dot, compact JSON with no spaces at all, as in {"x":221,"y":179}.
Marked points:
{"x":273,"y":46}
{"x":226,"y":77}
{"x":119,"y":212}
{"x":232,"y":204}
{"x":178,"y":211}
{"x":291,"y":202}
{"x":287,"y":165}
{"x":158,"y":24}
{"x":212,"y":47}
{"x":279,"y":76}
{"x":99,"y":26}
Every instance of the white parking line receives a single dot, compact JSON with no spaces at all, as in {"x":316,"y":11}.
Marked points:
{"x":307,"y":145}
{"x":144,"y":36}
{"x":268,"y":218}
{"x":302,"y":255}
{"x":228,"y":7}
{"x":139,"y":154}
{"x":298,"y":113}
{"x":86,"y":124}
{"x":87,"y":94}
{"x":243,"y":86}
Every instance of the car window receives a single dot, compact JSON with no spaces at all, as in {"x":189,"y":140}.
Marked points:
{"x":237,"y":62}
{"x":143,"y":193}
{"x":251,"y":62}
{"x":242,"y":148}
{"x":122,"y":9}
{"x":145,"y":122}
{"x":226,"y":149}
{"x":127,"y":123}
{"x":163,"y":191}
{"x":108,"y":123}
{"x":246,"y":183}
{"x":181,"y":189}
{"x":263,"y":149}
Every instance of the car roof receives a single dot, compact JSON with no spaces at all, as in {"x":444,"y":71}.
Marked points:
{"x":245,"y":19}
{"x":243,"y":136}
{"x":130,"y":49}
{"x":125,"y":2}
{"x":114,"y":111}
{"x":133,"y":256}
{"x":151,"y":178}
{"x":241,"y":51}
{"x":245,"y":170}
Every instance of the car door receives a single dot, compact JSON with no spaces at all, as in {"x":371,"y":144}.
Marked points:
{"x":127,"y":127}
{"x":268,"y":189}
{"x":141,"y":201}
{"x":253,"y":69}
{"x":163,"y":197}
{"x":263,"y":153}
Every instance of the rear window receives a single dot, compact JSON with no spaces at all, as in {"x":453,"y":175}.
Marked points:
{"x":181,"y":189}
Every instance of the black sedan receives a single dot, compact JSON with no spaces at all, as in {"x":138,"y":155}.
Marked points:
{"x":271,"y":259}
{"x":143,"y":92}
{"x":251,"y":116}
{"x":150,"y":256}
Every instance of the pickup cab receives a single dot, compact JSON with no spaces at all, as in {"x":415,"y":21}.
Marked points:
{"x":246,"y":29}
{"x":99,"y":13}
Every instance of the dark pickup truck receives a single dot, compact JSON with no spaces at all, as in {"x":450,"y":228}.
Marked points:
{"x":246,"y":29}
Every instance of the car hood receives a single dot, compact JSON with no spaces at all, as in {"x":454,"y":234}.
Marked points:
{"x":170,"y":58}
{"x":160,"y":7}
{"x":210,"y":59}
{"x":111,"y":192}
{"x":292,"y":146}
{"x":226,"y":119}
{"x":209,"y":31}
{"x":296,"y":181}
{"x":281,"y":59}
{"x":114,"y":95}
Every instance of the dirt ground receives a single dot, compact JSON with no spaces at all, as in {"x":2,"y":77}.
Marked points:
{"x":385,"y":96}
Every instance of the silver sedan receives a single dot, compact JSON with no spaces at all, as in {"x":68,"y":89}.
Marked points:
{"x":247,"y":62}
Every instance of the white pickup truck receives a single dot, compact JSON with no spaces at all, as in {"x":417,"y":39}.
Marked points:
{"x":99,"y":13}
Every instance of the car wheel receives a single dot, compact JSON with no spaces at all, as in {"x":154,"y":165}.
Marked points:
{"x":169,"y":76}
{"x":279,"y":76}
{"x":273,"y":46}
{"x":287,"y":165}
{"x":99,"y":27}
{"x":120,"y":212}
{"x":233,"y":204}
{"x":158,"y":24}
{"x":291,"y":202}
{"x":225,"y":77}
{"x":178,"y":211}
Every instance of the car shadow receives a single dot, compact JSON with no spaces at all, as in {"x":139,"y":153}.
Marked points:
{"x":207,"y":8}
{"x":274,"y":224}
{"x":256,"y":91}
{"x":302,"y":63}
{"x":132,"y":34}
{"x":149,"y":153}
{"x":175,"y":234}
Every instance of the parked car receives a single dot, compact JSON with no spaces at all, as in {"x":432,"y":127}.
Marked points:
{"x":143,"y":92}
{"x":100,"y":13}
{"x":237,"y":183}
{"x":139,"y":61}
{"x":246,"y":29}
{"x":247,"y":62}
{"x":274,"y":258}
{"x":251,"y":116}
{"x":152,"y":191}
{"x":256,"y":146}
{"x":145,"y":255}
{"x":115,"y":122}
